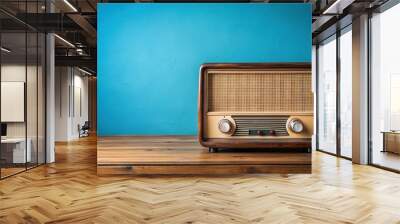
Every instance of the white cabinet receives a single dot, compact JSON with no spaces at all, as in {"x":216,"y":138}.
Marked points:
{"x":19,"y":154}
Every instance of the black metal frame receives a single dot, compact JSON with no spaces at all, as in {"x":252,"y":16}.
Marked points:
{"x":316,"y":97}
{"x":37,"y":164}
{"x":338,"y":96}
{"x":369,"y":115}
{"x":338,"y":153}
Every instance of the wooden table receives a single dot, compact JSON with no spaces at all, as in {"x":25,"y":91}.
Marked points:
{"x":391,"y":141}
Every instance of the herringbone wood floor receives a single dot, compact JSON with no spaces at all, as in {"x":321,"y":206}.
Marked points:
{"x":69,"y":191}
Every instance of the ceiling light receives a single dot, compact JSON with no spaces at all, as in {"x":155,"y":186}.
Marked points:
{"x":65,"y":41}
{"x":70,"y":5}
{"x":84,"y":71}
{"x":5,"y":50}
{"x":79,"y":51}
{"x":333,"y":6}
{"x":337,"y":7}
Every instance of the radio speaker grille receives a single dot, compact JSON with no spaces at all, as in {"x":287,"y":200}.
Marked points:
{"x":246,"y":123}
{"x":260,"y":91}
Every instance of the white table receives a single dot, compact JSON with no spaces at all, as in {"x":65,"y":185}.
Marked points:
{"x":19,"y":153}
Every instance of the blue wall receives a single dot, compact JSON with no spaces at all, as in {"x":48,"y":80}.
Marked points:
{"x":149,"y":57}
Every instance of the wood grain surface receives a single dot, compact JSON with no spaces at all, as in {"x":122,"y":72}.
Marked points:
{"x":184,"y":155}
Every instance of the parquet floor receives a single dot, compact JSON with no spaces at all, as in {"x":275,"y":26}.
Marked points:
{"x":69,"y":191}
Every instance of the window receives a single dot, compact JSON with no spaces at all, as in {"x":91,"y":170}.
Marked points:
{"x":385,"y":89}
{"x":346,"y":92}
{"x":335,"y":74}
{"x":326,"y":96}
{"x":22,"y":77}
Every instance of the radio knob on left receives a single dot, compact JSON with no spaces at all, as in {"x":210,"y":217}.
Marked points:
{"x":226,"y":126}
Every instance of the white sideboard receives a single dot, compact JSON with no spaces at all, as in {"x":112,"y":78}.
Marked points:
{"x":19,"y":153}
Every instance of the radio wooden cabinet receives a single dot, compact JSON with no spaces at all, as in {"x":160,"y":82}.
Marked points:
{"x":255,"y":105}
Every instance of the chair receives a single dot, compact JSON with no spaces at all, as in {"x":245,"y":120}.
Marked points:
{"x":84,"y":129}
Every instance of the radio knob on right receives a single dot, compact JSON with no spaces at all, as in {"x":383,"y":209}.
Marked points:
{"x":296,"y":125}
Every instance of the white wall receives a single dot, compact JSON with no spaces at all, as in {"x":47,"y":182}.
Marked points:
{"x":62,"y":82}
{"x":71,"y":102}
{"x":80,"y":112}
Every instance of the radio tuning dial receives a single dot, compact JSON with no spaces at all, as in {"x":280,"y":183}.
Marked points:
{"x":296,"y":126}
{"x":226,"y":126}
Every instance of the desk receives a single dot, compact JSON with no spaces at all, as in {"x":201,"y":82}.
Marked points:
{"x":391,"y":141}
{"x":15,"y":148}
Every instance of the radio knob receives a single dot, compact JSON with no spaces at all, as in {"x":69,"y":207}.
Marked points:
{"x":296,"y":126}
{"x":226,"y":126}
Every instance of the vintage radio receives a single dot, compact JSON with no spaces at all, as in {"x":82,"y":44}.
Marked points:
{"x":255,"y":106}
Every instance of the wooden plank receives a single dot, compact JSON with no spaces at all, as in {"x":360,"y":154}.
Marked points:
{"x":157,"y":156}
{"x":199,"y":169}
{"x":184,"y":155}
{"x":184,"y":150}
